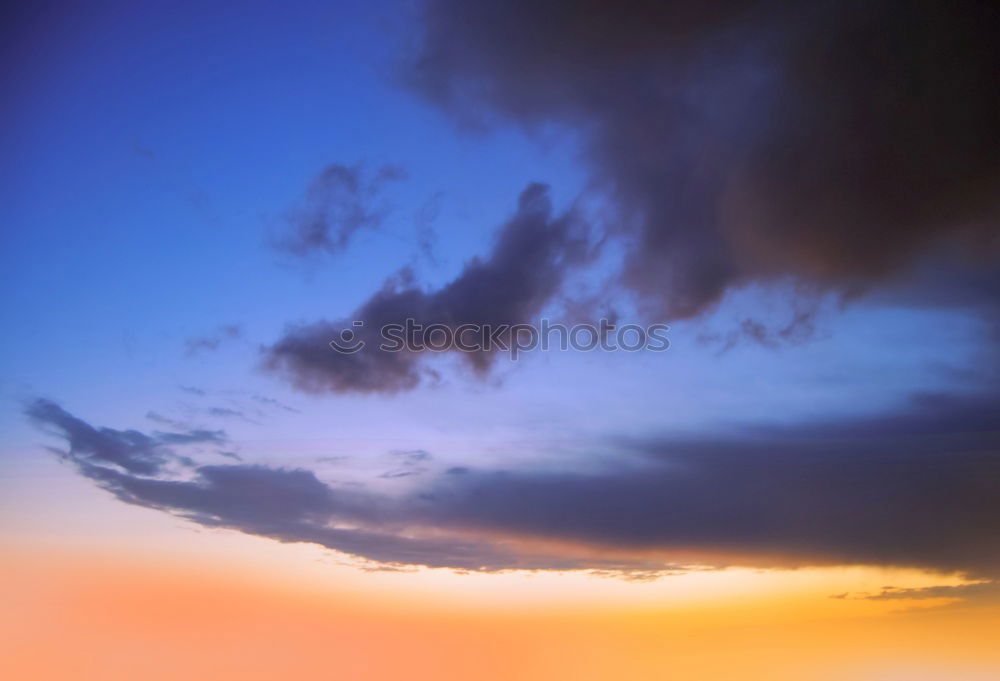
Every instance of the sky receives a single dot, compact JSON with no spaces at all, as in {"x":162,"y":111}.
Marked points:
{"x":802,"y":481}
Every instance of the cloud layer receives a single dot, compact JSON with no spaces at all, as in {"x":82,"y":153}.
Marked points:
{"x":920,"y":487}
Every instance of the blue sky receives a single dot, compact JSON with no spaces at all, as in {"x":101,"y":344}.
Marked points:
{"x":153,"y":166}
{"x":154,"y":155}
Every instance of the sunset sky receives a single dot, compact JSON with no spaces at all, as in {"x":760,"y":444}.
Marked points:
{"x":198,"y":198}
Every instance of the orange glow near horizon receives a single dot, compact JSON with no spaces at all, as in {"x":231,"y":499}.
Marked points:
{"x":116,"y":592}
{"x":102,"y":616}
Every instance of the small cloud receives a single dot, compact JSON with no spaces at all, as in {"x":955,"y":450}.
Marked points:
{"x":340,"y":202}
{"x":402,"y":473}
{"x":988,"y":590}
{"x":410,"y":463}
{"x":800,"y":329}
{"x":198,"y":435}
{"x":212,"y":341}
{"x":227,"y":413}
{"x":143,"y":151}
{"x":333,"y":459}
{"x":426,"y":236}
{"x":411,"y":456}
{"x":156,"y":417}
{"x":271,"y":402}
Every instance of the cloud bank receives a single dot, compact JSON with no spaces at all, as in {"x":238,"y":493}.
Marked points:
{"x":918,"y":488}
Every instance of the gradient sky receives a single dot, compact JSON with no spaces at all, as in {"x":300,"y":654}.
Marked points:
{"x":197,"y":197}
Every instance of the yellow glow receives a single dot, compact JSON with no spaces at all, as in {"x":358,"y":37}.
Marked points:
{"x":102,"y":616}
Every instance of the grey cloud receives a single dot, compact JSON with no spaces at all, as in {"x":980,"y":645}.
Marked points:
{"x":409,"y":462}
{"x":527,"y":266}
{"x":832,"y":142}
{"x":424,"y":220}
{"x":157,"y":417}
{"x":958,"y":596}
{"x":920,"y":488}
{"x":411,"y":456}
{"x":340,"y":202}
{"x":989,"y":590}
{"x":228,"y":413}
{"x":333,"y":459}
{"x":799,"y":329}
{"x":134,"y":451}
{"x":295,"y":506}
{"x":277,"y":404}
{"x":194,"y":436}
{"x":402,"y":473}
{"x":211,"y":342}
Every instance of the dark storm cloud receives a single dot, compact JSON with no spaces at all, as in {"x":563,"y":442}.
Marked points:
{"x":341,"y":201}
{"x":917,"y":488}
{"x":134,"y":451}
{"x":532,"y":255}
{"x":744,"y":141}
{"x":944,"y":282}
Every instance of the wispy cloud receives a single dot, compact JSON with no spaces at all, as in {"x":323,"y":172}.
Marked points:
{"x":211,"y":341}
{"x":133,"y":451}
{"x":341,"y":201}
